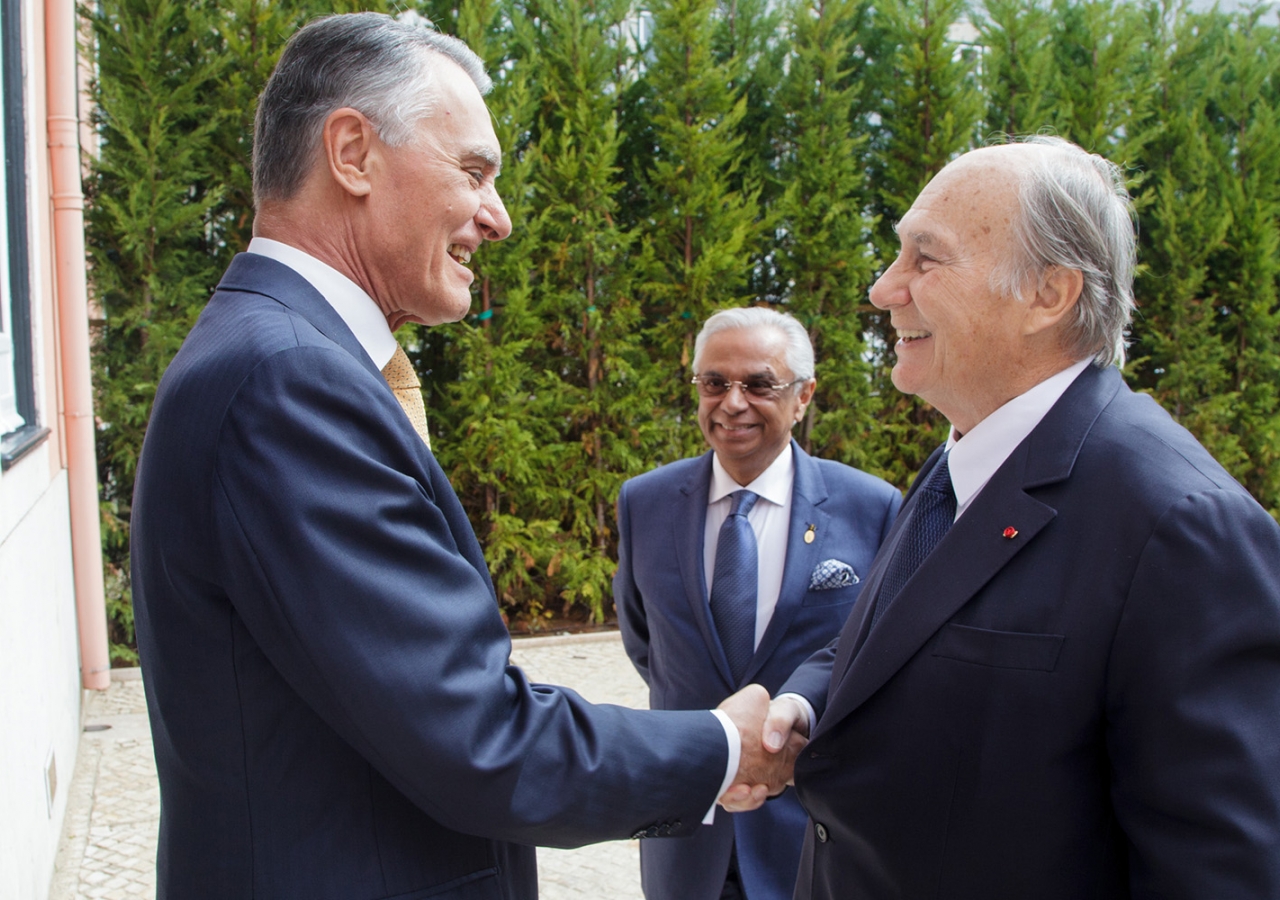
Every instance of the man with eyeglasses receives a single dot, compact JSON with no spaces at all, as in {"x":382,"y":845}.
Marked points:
{"x":735,"y":566}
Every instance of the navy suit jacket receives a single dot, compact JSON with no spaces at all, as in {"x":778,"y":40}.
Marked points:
{"x":660,"y":591}
{"x":327,"y":673}
{"x":1088,"y":707}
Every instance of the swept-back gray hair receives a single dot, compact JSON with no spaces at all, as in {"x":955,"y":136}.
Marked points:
{"x":367,"y":61}
{"x":1075,"y":212}
{"x":799,"y":355}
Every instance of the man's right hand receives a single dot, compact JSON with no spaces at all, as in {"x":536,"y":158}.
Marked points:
{"x":786,"y":719}
{"x":764,"y":770}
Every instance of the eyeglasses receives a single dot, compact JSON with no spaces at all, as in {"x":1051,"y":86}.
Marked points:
{"x":760,"y":388}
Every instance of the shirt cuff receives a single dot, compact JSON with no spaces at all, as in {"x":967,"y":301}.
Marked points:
{"x":735,"y":757}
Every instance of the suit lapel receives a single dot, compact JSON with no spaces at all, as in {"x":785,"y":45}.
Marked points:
{"x":971,"y":554}
{"x":807,"y":493}
{"x":690,"y":527}
{"x":855,"y":629}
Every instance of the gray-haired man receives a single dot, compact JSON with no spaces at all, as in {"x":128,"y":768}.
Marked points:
{"x":326,"y":668}
{"x":1063,"y":678}
{"x":699,"y":619}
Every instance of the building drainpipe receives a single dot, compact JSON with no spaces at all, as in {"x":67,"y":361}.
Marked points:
{"x":73,"y":340}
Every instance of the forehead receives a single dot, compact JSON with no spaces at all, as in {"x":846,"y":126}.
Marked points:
{"x":971,"y":203}
{"x":757,"y":349}
{"x":460,"y":122}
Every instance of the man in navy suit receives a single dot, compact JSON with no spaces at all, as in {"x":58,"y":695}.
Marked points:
{"x":332,"y":706}
{"x":816,"y":525}
{"x":1062,"y":679}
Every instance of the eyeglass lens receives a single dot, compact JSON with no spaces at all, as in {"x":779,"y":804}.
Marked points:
{"x":716,"y":387}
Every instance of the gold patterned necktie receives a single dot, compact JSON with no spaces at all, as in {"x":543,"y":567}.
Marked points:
{"x":408,"y":390}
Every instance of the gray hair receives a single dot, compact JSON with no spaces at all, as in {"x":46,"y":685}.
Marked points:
{"x":1075,"y":212}
{"x":799,"y":354}
{"x":367,"y":61}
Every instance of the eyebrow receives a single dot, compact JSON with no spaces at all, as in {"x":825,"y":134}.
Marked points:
{"x":491,"y":158}
{"x":716,"y":373}
{"x":919,"y":238}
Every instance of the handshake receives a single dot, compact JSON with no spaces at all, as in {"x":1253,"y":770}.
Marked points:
{"x":773,"y":734}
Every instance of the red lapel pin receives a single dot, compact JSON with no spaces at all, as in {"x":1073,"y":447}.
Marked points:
{"x":1010,"y":533}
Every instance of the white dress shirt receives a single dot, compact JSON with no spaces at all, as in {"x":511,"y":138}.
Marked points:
{"x":349,"y":301}
{"x":361,"y":314}
{"x":770,"y":519}
{"x":974,"y":457}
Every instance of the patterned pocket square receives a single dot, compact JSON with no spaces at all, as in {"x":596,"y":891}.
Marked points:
{"x":831,"y":574}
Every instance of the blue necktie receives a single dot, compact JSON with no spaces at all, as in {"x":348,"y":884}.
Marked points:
{"x":734,"y":584}
{"x":931,"y":516}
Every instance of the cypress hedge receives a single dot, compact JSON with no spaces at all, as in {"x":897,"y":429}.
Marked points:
{"x":666,"y":161}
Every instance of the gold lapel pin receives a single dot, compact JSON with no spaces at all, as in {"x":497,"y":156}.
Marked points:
{"x":808,"y":535}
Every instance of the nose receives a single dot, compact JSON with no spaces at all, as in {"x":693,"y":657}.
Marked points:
{"x":492,"y":217}
{"x":890,"y":289}
{"x":735,"y":400}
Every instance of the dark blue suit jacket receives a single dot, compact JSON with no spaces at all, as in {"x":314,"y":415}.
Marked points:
{"x":326,"y":669}
{"x":1087,"y":708}
{"x":660,"y":592}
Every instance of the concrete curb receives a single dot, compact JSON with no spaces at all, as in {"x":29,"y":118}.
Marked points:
{"x":564,"y":638}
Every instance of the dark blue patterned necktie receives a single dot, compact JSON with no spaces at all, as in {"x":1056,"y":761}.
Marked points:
{"x":931,"y":516}
{"x":734,"y":583}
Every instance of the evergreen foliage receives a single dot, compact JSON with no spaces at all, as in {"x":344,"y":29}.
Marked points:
{"x":701,"y":229}
{"x":821,"y":248}
{"x":666,"y":161}
{"x":150,"y":202}
{"x":928,"y":108}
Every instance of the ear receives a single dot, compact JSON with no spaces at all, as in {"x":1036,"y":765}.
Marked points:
{"x":1055,"y":298}
{"x":349,"y":144}
{"x":805,"y":396}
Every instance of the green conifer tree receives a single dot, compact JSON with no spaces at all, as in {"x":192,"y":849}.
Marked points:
{"x":929,"y":110}
{"x":822,"y":254}
{"x":747,"y":42}
{"x":479,"y":375}
{"x":151,"y":200}
{"x":1017,"y":66}
{"x":700,"y":231}
{"x":1244,"y":268}
{"x":585,"y":299}
{"x":1100,"y":69}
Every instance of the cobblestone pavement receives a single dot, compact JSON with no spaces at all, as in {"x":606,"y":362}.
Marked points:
{"x":109,"y":837}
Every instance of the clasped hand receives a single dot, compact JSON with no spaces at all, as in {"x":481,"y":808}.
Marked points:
{"x":773,"y":734}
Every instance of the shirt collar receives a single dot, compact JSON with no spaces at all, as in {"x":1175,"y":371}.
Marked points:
{"x":356,"y":308}
{"x":773,"y":484}
{"x":976,"y":457}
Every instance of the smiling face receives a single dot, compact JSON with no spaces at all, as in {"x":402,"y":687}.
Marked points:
{"x":432,"y":203}
{"x":747,"y":433}
{"x":963,"y":347}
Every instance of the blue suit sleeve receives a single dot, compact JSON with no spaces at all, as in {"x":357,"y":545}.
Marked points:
{"x":1193,"y":704}
{"x":626,"y":596}
{"x":349,"y":560}
{"x":812,"y":678}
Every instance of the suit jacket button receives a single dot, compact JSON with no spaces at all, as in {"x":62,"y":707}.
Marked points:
{"x":820,"y":832}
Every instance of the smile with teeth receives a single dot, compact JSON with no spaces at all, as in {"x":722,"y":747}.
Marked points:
{"x":460,"y":253}
{"x":906,"y":337}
